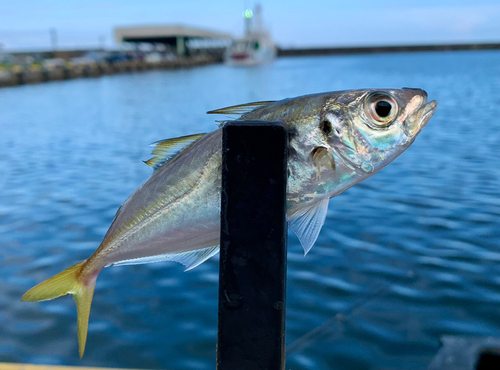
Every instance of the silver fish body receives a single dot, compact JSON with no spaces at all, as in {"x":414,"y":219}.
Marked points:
{"x":336,"y":140}
{"x":178,"y":206}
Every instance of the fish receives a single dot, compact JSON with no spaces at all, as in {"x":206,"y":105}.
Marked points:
{"x":336,"y":140}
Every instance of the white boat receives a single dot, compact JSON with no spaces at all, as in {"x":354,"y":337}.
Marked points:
{"x":256,"y":47}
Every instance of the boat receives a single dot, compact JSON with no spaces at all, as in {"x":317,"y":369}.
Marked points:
{"x":256,"y":47}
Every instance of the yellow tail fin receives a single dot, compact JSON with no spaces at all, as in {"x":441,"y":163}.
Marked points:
{"x":67,"y":282}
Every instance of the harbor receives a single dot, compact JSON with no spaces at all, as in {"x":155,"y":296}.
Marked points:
{"x":37,"y":73}
{"x":18,"y":75}
{"x":405,"y":238}
{"x":330,"y":250}
{"x":163,"y":47}
{"x":176,"y":46}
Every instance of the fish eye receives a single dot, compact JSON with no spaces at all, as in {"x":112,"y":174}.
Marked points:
{"x":326,"y":127}
{"x":381,"y":109}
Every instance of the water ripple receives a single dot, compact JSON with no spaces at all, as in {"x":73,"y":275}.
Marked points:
{"x":405,"y":257}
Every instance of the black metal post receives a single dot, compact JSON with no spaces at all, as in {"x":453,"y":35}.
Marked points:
{"x":252,"y":279}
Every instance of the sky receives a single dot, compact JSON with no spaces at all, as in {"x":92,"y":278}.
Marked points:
{"x":25,"y":24}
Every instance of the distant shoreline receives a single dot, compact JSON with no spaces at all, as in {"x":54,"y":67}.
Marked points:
{"x":19,"y":75}
{"x":386,"y":49}
{"x":36,"y":74}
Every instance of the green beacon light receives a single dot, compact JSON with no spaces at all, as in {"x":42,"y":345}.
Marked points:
{"x":248,"y":13}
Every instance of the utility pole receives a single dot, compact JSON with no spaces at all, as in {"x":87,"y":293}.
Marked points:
{"x":53,"y":38}
{"x":102,"y":42}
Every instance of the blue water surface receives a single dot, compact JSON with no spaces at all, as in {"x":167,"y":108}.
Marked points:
{"x":405,"y":257}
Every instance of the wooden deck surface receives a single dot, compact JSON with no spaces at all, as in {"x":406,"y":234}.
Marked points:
{"x":11,"y":366}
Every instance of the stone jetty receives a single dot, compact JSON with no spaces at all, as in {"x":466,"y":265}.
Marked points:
{"x":18,"y":75}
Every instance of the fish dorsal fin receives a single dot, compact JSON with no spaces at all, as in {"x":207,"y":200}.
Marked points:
{"x":189,"y":259}
{"x":307,"y":223}
{"x":164,"y":150}
{"x":243,"y":108}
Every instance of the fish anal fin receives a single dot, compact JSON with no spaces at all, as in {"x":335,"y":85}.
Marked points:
{"x":242,"y":108}
{"x":189,"y":259}
{"x":307,"y":223}
{"x":165,"y":150}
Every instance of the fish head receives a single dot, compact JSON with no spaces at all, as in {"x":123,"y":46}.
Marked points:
{"x":338,"y":139}
{"x":368,"y":129}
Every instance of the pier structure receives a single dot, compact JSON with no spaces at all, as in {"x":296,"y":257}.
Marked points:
{"x":207,"y":47}
{"x":253,"y":246}
{"x":176,"y":37}
{"x":19,"y":75}
{"x":345,"y":50}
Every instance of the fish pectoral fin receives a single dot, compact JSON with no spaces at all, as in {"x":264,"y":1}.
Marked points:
{"x":189,"y":259}
{"x":165,"y":150}
{"x":307,"y":223}
{"x":242,"y":108}
{"x":68,"y":282}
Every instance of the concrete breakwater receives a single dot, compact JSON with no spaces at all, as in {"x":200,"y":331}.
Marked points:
{"x":18,"y":75}
{"x":387,"y":49}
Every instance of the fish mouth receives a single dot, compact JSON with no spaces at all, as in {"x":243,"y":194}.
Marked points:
{"x":426,"y":112}
{"x":417,"y":120}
